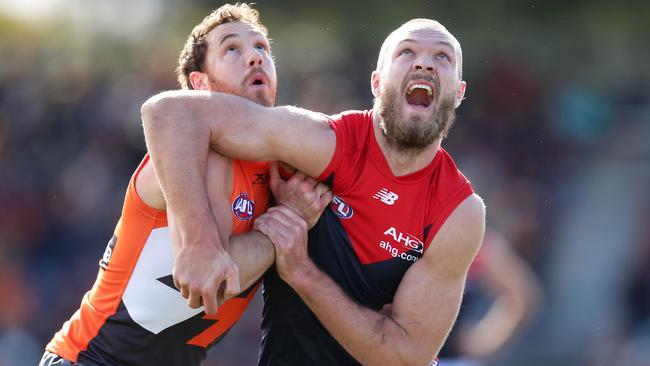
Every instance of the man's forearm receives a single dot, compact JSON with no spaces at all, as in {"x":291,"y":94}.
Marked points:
{"x":369,"y":336}
{"x":253,"y":253}
{"x":179,"y":152}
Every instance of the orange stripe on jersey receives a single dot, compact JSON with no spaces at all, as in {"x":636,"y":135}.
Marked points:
{"x":142,"y":232}
{"x":229,"y":313}
{"x":103,"y":299}
{"x":249,"y":180}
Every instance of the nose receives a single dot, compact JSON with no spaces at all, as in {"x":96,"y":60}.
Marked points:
{"x":255,"y":58}
{"x":424,"y":63}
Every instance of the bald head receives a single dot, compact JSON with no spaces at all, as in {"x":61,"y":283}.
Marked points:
{"x":415,"y":25}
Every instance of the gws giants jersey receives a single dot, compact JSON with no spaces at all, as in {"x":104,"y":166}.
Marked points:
{"x":133,"y":315}
{"x":377,"y":226}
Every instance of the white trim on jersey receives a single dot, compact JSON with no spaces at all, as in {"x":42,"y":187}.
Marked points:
{"x":150,"y":303}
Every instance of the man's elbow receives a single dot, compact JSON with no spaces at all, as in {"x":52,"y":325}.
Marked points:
{"x":406,"y":352}
{"x":412,"y":360}
{"x":155,"y":108}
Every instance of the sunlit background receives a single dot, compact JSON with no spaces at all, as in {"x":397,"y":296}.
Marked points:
{"x":554,"y":134}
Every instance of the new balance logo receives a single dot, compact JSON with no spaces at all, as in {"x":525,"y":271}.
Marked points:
{"x":386,"y":196}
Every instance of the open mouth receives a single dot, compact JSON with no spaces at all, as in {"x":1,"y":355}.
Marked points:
{"x":419,"y":95}
{"x":256,"y":78}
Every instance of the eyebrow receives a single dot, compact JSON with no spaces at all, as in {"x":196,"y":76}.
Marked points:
{"x":226,"y":37}
{"x":232,"y":35}
{"x":445,"y":43}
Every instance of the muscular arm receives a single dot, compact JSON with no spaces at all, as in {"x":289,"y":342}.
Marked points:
{"x":425,"y":305}
{"x":181,"y":126}
{"x":252,"y":252}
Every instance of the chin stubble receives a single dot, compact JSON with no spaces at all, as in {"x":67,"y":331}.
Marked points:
{"x":413,"y":134}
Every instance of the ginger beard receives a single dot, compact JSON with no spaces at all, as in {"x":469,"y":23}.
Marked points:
{"x":414,"y":133}
{"x":260,"y":96}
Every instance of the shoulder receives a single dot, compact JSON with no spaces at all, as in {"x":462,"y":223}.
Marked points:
{"x":449,"y":168}
{"x":460,"y":236}
{"x":351,"y":127}
{"x":351,"y":116}
{"x":466,"y":224}
{"x":472,"y":209}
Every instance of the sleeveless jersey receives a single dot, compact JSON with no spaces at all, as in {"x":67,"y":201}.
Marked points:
{"x":377,"y":226}
{"x":134,"y":315}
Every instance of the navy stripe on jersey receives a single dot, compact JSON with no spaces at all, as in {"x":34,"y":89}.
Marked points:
{"x":116,"y":339}
{"x":121,"y":341}
{"x":292,"y":340}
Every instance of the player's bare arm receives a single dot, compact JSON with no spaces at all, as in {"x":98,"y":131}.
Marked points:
{"x":252,"y":252}
{"x":198,"y":277}
{"x":412,"y":331}
{"x":234,"y":127}
{"x":301,"y":193}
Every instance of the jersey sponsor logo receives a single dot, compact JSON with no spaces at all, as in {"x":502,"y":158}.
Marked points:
{"x":243,"y":206}
{"x":340,"y":208}
{"x":396,"y":253}
{"x":402,"y":245}
{"x":386,"y":196}
{"x":108,"y":253}
{"x":407,"y":240}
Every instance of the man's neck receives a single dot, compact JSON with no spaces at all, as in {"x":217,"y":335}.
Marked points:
{"x":404,"y":161}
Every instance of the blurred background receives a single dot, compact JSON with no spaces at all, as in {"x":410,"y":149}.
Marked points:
{"x":553,"y":134}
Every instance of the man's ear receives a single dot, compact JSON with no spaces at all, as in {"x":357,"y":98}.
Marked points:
{"x":460,"y":94}
{"x":199,"y":80}
{"x":375,"y":83}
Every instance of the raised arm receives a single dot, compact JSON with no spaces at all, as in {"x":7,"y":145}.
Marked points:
{"x":424,"y":308}
{"x":180,"y":126}
{"x":196,"y":273}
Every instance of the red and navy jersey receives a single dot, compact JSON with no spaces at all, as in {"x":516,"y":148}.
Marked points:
{"x":134,"y":315}
{"x":377,"y":226}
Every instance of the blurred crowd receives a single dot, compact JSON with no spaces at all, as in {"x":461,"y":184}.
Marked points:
{"x":556,"y":146}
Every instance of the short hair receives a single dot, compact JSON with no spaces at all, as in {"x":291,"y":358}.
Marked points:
{"x":192,"y":57}
{"x":423,"y":21}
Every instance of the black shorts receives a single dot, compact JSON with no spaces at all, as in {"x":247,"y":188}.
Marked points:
{"x":51,"y":359}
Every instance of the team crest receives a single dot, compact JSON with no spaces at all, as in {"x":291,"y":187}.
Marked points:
{"x":340,"y":208}
{"x":243,"y":207}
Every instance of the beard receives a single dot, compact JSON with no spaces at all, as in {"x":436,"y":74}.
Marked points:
{"x":261,"y":97}
{"x":414,"y":133}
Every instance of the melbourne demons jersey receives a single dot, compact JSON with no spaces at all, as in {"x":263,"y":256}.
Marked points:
{"x":134,"y":315}
{"x":377,"y":226}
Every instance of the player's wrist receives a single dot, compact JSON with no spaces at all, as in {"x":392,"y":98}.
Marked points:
{"x":304,"y":276}
{"x":201,"y":233}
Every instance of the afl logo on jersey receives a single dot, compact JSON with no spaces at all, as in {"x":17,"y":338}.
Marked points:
{"x":340,"y":208}
{"x":243,"y":207}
